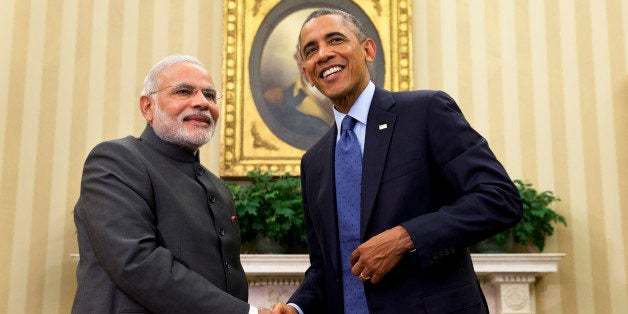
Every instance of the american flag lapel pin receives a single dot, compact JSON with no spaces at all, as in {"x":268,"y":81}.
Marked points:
{"x":383,"y":126}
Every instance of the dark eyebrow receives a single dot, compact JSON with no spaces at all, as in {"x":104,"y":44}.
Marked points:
{"x":306,"y":46}
{"x":327,"y":36}
{"x":334,"y":34}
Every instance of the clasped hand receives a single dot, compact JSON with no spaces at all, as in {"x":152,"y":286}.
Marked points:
{"x":373,"y":259}
{"x":282,"y":308}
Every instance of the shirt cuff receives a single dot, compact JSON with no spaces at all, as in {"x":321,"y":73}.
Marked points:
{"x":296,"y":307}
{"x":253,"y":310}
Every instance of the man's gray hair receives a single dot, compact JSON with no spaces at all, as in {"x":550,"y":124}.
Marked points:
{"x":151,"y":82}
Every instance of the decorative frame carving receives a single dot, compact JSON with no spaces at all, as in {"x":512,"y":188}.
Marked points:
{"x":251,"y":138}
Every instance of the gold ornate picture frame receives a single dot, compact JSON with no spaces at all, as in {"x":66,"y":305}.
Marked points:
{"x":269,"y":116}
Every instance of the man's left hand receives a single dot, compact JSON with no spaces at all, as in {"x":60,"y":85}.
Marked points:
{"x":373,"y":259}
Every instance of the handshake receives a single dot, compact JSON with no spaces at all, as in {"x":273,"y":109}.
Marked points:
{"x":279,"y":308}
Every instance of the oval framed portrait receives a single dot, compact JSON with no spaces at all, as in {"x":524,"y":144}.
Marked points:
{"x":271,"y":114}
{"x":294,"y":111}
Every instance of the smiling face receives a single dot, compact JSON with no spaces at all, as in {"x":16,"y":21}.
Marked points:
{"x":183,"y":109}
{"x":335,"y":61}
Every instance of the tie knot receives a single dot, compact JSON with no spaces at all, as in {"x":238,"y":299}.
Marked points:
{"x":348,"y":123}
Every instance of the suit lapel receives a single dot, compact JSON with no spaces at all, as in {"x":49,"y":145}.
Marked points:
{"x":380,"y":125}
{"x":379,"y":128}
{"x":327,"y":213}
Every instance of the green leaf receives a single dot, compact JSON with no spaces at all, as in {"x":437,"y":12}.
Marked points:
{"x":536,"y":223}
{"x":270,"y":204}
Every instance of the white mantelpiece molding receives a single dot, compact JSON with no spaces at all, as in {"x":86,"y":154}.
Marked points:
{"x":507,"y":279}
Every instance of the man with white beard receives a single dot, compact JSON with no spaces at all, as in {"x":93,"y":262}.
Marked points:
{"x":157,"y":232}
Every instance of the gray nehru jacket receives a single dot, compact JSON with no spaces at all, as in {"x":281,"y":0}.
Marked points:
{"x":155,"y":232}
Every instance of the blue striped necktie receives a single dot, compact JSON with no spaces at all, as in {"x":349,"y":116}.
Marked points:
{"x":348,"y":173}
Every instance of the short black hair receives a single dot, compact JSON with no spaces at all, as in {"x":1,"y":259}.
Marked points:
{"x":353,"y":22}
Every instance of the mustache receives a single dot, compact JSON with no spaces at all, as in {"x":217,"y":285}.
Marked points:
{"x":197,"y":114}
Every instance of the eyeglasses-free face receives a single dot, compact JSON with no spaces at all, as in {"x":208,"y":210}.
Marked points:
{"x":335,"y":60}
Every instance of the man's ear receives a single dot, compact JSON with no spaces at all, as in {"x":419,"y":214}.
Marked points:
{"x":147,"y":107}
{"x":370,"y":49}
{"x":307,"y":76}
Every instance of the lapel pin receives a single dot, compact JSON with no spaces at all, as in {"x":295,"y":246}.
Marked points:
{"x":383,"y":126}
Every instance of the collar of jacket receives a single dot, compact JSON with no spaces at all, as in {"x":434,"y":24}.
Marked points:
{"x":171,"y":150}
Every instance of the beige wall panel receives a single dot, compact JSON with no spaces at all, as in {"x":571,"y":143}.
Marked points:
{"x":58,"y":209}
{"x":546,"y":82}
{"x":11,"y":154}
{"x":7,"y":22}
{"x":478,"y":78}
{"x":496,"y":137}
{"x":553,"y":303}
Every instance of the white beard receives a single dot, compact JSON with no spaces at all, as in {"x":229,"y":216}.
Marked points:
{"x":171,"y":129}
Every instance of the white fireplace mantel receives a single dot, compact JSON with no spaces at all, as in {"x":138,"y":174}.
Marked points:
{"x":537,"y":264}
{"x":507,"y":279}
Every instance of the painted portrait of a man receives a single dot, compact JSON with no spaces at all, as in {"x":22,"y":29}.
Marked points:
{"x":294,"y":111}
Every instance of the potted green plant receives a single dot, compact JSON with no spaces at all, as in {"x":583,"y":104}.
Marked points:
{"x":270,"y":213}
{"x":535,"y":226}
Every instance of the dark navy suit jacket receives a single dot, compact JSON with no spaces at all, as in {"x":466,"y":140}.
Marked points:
{"x":426,"y":169}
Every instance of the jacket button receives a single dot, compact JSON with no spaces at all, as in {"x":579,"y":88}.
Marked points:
{"x":221,"y":231}
{"x":212,"y":198}
{"x":227,"y":265}
{"x":200,"y":171}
